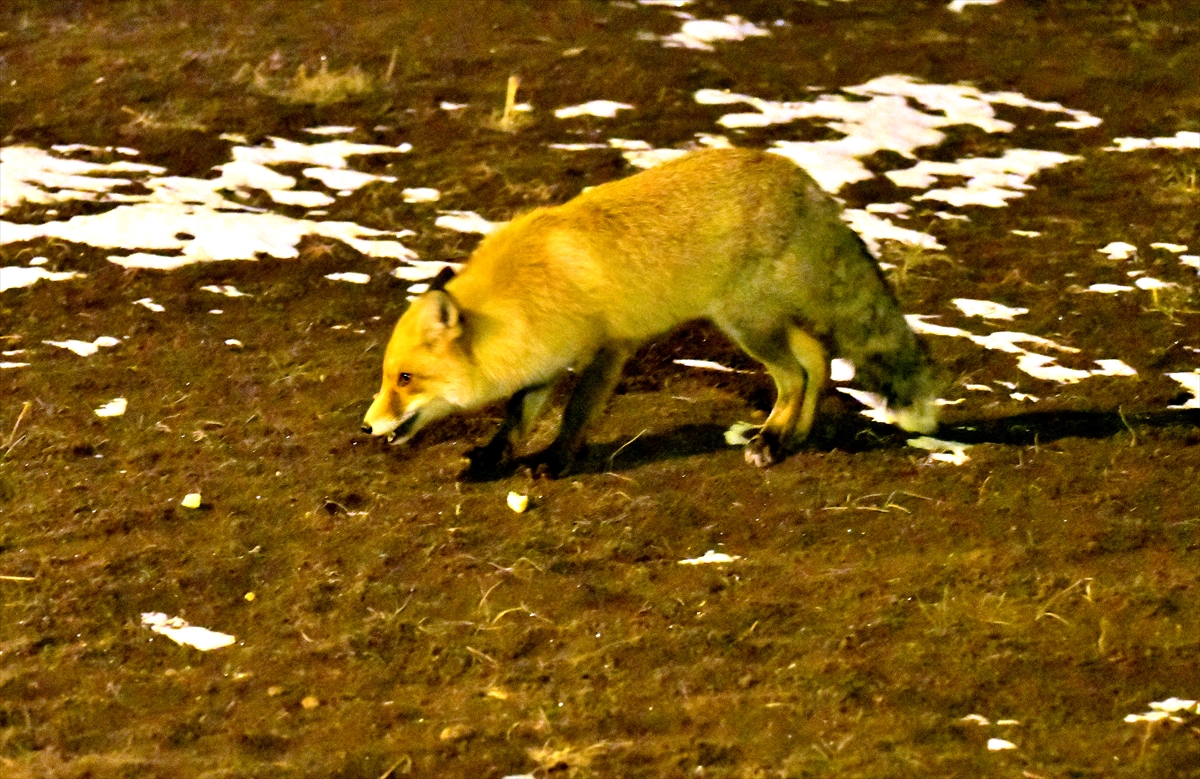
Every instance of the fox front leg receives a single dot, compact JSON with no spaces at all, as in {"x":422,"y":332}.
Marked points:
{"x":596,"y":382}
{"x":488,"y":461}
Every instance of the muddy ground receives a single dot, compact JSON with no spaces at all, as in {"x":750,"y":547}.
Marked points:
{"x":403,"y":623}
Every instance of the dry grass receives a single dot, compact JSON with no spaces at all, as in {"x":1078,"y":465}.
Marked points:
{"x":1183,"y":178}
{"x":325,"y":87}
{"x":511,"y":118}
{"x":907,"y":259}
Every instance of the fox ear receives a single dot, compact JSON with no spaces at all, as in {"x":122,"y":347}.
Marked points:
{"x":439,"y":281}
{"x":440,"y":319}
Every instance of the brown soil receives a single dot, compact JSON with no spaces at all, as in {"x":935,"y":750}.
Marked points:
{"x":403,"y":623}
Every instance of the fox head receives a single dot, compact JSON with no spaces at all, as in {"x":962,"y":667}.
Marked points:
{"x":426,"y":371}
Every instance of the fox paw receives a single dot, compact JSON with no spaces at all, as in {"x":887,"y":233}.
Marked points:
{"x":486,"y":463}
{"x":552,"y":464}
{"x":762,"y":453}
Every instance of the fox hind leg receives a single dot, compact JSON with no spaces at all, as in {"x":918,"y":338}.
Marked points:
{"x":799,"y":365}
{"x":811,"y":355}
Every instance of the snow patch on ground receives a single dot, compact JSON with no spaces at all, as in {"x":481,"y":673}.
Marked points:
{"x":86,"y":348}
{"x":957,"y":6}
{"x":1180,"y":140}
{"x":987,"y":309}
{"x":701,"y":34}
{"x":185,"y":220}
{"x":179,"y":631}
{"x":606,"y":109}
{"x":16,"y":276}
{"x":466,"y":222}
{"x":1035,"y":364}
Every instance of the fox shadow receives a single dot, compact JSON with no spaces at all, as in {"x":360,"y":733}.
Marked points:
{"x":852,"y":433}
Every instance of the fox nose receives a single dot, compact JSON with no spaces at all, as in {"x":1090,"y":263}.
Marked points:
{"x":366,"y":429}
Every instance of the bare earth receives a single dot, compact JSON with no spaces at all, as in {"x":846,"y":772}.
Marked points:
{"x":391,"y":621}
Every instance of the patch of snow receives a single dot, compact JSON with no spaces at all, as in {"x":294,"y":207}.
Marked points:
{"x":1151,"y":283}
{"x":193,"y":219}
{"x":710,"y":557}
{"x":342,"y":179}
{"x":353,"y":278}
{"x":987,"y":309}
{"x":300,"y":197}
{"x":606,"y":109}
{"x":179,"y":631}
{"x":1118,"y":250}
{"x":895,"y":209}
{"x":873,"y":229}
{"x":1180,"y":140}
{"x":1038,"y":365}
{"x":1113,"y":368}
{"x":901,"y":114}
{"x":330,"y":130}
{"x":942,"y":451}
{"x":114,"y":408}
{"x":29,"y":175}
{"x":1191,"y":383}
{"x":421,"y":195}
{"x":578,"y":146}
{"x":877,"y":410}
{"x":1041,"y":366}
{"x":841,"y":369}
{"x":228,"y":290}
{"x":16,"y":276}
{"x":466,"y":222}
{"x":991,"y":181}
{"x":86,"y":348}
{"x":421,"y":270}
{"x":706,"y":364}
{"x":957,"y":6}
{"x":700,"y":34}
{"x":150,"y":304}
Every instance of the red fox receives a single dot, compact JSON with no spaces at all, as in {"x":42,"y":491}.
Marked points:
{"x":743,"y":238}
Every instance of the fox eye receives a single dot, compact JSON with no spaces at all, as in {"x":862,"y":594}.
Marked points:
{"x":404,"y":379}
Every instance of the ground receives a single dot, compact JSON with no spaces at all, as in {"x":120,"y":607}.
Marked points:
{"x":390,"y":620}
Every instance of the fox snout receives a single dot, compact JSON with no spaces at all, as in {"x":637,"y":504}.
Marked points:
{"x":381,"y":419}
{"x":395,"y":430}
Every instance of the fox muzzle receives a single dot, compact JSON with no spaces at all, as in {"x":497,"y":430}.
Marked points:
{"x":395,"y":431}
